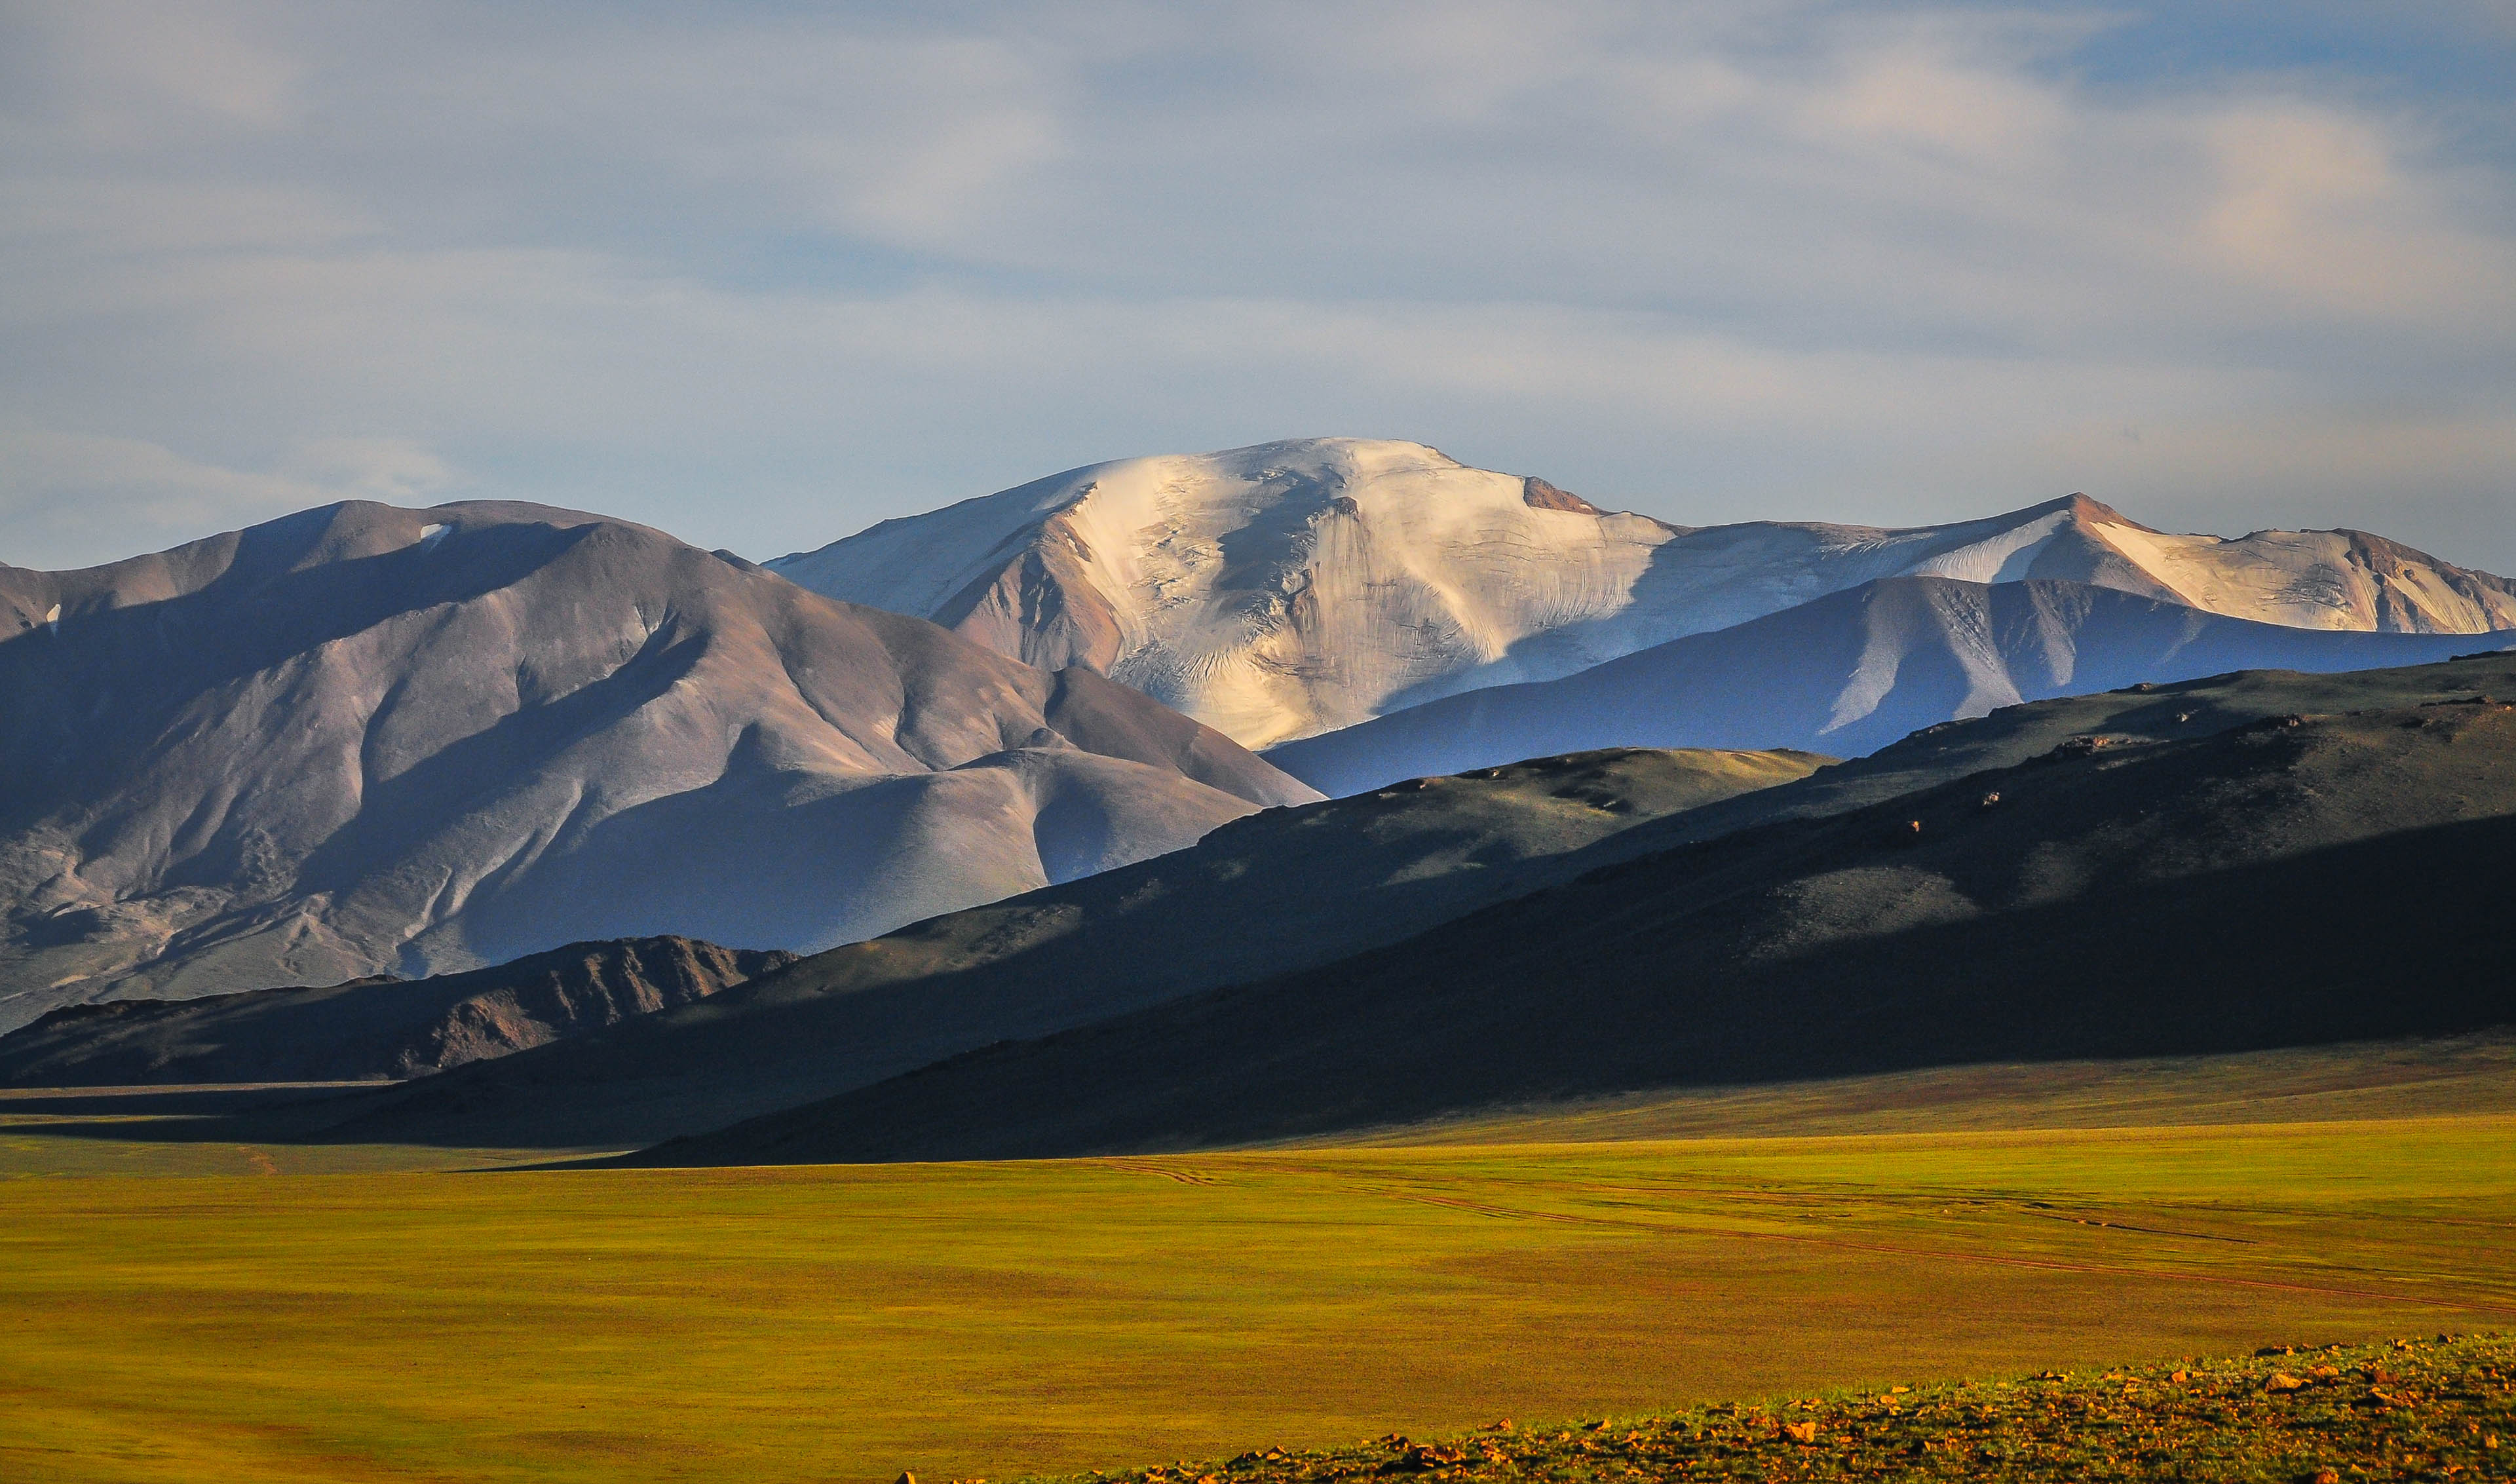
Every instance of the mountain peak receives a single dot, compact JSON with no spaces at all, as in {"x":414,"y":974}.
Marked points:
{"x":1537,"y":494}
{"x":1284,"y":589}
{"x":2088,"y":511}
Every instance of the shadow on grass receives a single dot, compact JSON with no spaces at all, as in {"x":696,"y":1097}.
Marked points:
{"x":175,"y":1114}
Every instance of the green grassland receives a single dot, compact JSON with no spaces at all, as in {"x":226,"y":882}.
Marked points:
{"x":1000,"y":1318}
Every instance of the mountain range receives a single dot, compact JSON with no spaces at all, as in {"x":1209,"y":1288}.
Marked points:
{"x":364,"y":740}
{"x":1846,"y":674}
{"x":2261,"y":860}
{"x":1288,"y":589}
{"x":944,"y":839}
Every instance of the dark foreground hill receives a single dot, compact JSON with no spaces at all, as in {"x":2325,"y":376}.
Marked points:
{"x":1286,"y":889}
{"x":381,"y":1027}
{"x":2294,"y":881}
{"x":1847,"y":674}
{"x":363,"y":739}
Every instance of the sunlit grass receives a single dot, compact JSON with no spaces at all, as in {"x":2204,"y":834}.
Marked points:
{"x":995,"y":1319}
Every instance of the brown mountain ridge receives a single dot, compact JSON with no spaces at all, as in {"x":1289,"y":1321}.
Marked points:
{"x":378,"y":1028}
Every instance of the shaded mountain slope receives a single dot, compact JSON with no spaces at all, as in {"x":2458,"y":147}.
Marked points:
{"x":1845,"y":674}
{"x":1291,"y":588}
{"x":363,"y":739}
{"x":2136,"y":713}
{"x":2291,"y":883}
{"x":373,"y":1027}
{"x":1285,"y":889}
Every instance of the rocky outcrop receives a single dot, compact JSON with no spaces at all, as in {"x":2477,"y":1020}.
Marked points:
{"x":377,"y":1028}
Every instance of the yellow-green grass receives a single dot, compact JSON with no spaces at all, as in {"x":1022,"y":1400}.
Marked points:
{"x":1000,"y":1318}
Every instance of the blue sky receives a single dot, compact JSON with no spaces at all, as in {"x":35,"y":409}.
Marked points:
{"x":763,"y":275}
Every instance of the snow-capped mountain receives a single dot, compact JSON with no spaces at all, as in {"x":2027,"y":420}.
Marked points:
{"x":1291,"y":588}
{"x":364,"y":738}
{"x":1847,"y":674}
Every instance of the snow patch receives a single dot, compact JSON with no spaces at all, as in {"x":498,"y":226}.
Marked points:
{"x":2006,"y":557}
{"x":429,"y":535}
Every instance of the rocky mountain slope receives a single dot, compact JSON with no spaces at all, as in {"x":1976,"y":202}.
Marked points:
{"x":364,"y":740}
{"x":2302,"y":879}
{"x":1283,"y":590}
{"x":1847,"y":673}
{"x":380,"y":1028}
{"x":1285,"y":889}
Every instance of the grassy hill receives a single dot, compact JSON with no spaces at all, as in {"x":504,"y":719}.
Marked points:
{"x":2292,"y":882}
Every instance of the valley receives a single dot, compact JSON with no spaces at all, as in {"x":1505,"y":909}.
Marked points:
{"x":1794,"y":962}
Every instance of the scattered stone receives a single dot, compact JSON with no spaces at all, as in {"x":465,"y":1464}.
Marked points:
{"x":2281,"y":1383}
{"x":2077,"y":747}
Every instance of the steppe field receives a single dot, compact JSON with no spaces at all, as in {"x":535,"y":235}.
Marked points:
{"x":177,"y":1305}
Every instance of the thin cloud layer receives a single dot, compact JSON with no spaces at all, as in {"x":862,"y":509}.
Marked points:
{"x":763,"y":278}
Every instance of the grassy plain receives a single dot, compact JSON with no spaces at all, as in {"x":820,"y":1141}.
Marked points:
{"x":847,"y":1322}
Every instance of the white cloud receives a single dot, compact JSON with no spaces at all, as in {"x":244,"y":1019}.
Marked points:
{"x":75,"y":499}
{"x":761,"y":278}
{"x":129,"y":74}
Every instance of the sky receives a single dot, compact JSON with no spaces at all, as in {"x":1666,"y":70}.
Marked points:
{"x":762,"y":275}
